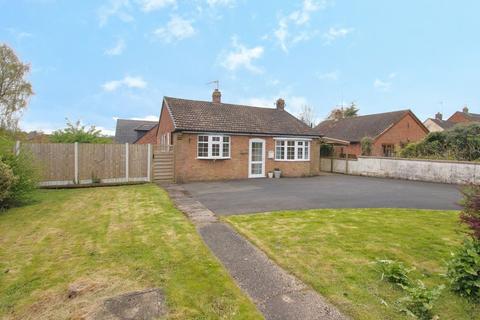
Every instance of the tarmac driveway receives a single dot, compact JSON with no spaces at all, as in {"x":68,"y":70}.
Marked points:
{"x":325,"y":191}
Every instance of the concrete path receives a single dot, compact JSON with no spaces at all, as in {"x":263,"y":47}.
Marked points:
{"x":277,"y":294}
{"x":325,"y":191}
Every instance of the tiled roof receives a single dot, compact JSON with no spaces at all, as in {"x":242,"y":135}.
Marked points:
{"x":475,"y":117}
{"x":354,"y":129}
{"x":445,"y":124}
{"x":131,"y":130}
{"x":149,"y":137}
{"x":203,"y":116}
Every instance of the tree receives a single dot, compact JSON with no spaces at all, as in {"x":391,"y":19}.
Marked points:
{"x":76,"y":132}
{"x":307,"y":115}
{"x":15,"y":90}
{"x":350,"y":111}
{"x":342,"y":112}
{"x":367,"y":145}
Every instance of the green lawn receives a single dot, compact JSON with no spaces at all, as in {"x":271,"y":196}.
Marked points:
{"x":112,"y":240}
{"x":334,"y":251}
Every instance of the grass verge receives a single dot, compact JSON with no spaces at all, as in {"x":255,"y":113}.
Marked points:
{"x":334,"y":251}
{"x":111,"y":240}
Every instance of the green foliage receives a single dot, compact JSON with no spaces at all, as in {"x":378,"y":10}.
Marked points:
{"x":15,"y":90}
{"x":367,"y":145}
{"x":7,"y":180}
{"x":464,"y":270}
{"x":76,"y":132}
{"x":394,"y":272}
{"x":326,"y":150}
{"x":351,"y":111}
{"x":462,"y":142}
{"x":419,"y":301}
{"x":26,"y":174}
{"x":471,"y":210}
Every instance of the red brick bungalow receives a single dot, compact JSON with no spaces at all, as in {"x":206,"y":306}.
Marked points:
{"x":438,"y":124}
{"x":389,"y":131}
{"x":215,"y":141}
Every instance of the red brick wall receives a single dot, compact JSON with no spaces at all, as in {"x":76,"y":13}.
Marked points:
{"x":165,"y":125}
{"x":405,"y":131}
{"x":149,"y":137}
{"x":189,"y":168}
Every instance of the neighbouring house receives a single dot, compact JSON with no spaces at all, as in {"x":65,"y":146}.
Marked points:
{"x":389,"y":131}
{"x":213,"y":140}
{"x":438,"y":124}
{"x":129,"y":131}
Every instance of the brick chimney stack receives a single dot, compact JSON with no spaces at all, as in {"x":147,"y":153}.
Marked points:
{"x":465,"y":109}
{"x":216,"y":96}
{"x":280,"y":104}
{"x":439,"y":116}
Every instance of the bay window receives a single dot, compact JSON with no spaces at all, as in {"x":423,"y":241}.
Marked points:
{"x":213,"y":147}
{"x":292,"y":150}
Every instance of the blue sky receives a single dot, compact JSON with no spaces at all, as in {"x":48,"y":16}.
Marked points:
{"x":99,"y":60}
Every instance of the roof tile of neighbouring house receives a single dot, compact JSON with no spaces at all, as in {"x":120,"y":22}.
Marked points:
{"x":445,"y":124}
{"x":354,"y":129}
{"x":204,"y":116}
{"x":475,"y":117}
{"x":129,"y":131}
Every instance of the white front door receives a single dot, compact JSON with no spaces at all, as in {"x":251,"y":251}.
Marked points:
{"x":256,"y":158}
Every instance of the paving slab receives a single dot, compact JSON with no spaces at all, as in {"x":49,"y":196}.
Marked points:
{"x":276,"y":293}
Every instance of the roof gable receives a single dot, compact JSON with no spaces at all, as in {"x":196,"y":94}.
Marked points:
{"x":129,"y":131}
{"x":204,"y":116}
{"x":354,"y":129}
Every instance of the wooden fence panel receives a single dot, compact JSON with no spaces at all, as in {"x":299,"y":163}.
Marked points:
{"x":101,"y":161}
{"x":137,"y":160}
{"x":97,"y":163}
{"x":55,"y":160}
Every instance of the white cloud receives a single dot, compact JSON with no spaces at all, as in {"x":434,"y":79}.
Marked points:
{"x":128,"y":81}
{"x":384,"y":85}
{"x":242,"y":57}
{"x":293,"y":103}
{"x":332,"y":76}
{"x":225,"y":3}
{"x":147,"y":118}
{"x":105,"y":131}
{"x":115,"y":8}
{"x":152,"y":5}
{"x":298,"y":18}
{"x":336,"y":33}
{"x":176,"y":29}
{"x":117,"y":49}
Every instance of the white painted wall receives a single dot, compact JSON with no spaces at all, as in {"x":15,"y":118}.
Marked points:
{"x":423,"y":170}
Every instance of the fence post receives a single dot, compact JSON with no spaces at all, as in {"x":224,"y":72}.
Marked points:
{"x":346,"y":163}
{"x":126,"y":161}
{"x":17,"y":148}
{"x":149,"y":162}
{"x":75,"y":155}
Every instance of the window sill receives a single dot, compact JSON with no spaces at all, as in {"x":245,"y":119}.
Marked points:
{"x":201,"y":158}
{"x":299,"y":160}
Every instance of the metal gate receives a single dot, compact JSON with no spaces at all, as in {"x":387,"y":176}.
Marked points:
{"x":163,"y":164}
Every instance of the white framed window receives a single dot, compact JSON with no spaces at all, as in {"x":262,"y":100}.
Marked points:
{"x":213,"y":147}
{"x":292,"y":150}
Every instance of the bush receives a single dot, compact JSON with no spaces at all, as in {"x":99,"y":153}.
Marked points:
{"x":464,"y":270}
{"x":26,"y":178}
{"x":471,"y":210}
{"x":367,"y":145}
{"x":7,"y":181}
{"x":394,"y":272}
{"x":326,"y":150}
{"x":419,"y":300}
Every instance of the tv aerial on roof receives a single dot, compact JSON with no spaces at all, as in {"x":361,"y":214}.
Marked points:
{"x":216,"y":82}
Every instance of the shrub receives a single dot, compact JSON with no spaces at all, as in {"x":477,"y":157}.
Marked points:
{"x":471,"y":210}
{"x":326,"y":150}
{"x":409,"y":151}
{"x":394,"y":272}
{"x":367,"y":145}
{"x":464,"y":270}
{"x":26,"y":178}
{"x":419,"y":300}
{"x":7,"y":181}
